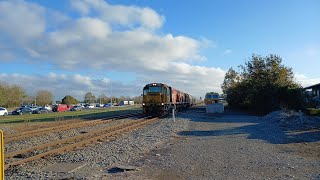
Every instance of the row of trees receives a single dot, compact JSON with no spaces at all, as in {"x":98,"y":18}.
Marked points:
{"x":14,"y":96}
{"x":102,"y":99}
{"x":263,"y":84}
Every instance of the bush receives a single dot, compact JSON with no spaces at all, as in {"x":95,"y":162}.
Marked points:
{"x":262,"y":85}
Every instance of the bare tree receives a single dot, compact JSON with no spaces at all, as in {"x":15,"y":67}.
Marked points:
{"x":89,"y":98}
{"x":44,"y":97}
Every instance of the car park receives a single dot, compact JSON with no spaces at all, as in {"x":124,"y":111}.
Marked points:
{"x":21,"y":111}
{"x":3,"y":111}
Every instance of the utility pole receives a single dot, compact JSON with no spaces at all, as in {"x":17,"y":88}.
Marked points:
{"x":111,"y":93}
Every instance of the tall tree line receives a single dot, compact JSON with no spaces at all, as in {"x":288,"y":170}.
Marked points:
{"x":14,"y":96}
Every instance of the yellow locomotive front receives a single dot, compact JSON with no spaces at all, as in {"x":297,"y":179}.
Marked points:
{"x":211,"y":98}
{"x":156,"y":99}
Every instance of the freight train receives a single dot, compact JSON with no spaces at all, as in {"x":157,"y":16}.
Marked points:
{"x":159,"y":99}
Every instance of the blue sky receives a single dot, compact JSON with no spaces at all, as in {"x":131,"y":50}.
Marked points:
{"x":188,"y":45}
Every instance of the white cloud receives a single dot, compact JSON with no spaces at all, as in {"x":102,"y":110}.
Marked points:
{"x":74,"y":42}
{"x":81,"y":30}
{"x":195,"y":80}
{"x":75,"y":85}
{"x":306,"y":81}
{"x":131,"y":16}
{"x":21,"y":20}
{"x":105,"y":37}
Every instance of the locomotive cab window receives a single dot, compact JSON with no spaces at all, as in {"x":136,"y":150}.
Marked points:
{"x":209,"y":96}
{"x":155,"y":89}
{"x":164,"y":91}
{"x":145,"y":91}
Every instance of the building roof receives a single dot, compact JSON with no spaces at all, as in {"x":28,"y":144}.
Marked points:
{"x":312,"y":86}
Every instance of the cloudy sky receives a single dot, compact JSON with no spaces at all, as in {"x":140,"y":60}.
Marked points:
{"x":117,"y":46}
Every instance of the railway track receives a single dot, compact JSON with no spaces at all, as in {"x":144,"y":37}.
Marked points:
{"x":71,"y":143}
{"x":42,"y":131}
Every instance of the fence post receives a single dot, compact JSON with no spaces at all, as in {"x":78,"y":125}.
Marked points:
{"x":301,"y":118}
{"x":1,"y":156}
{"x":173,"y":115}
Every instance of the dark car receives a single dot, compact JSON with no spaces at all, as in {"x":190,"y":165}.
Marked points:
{"x":76,"y":108}
{"x":21,"y":111}
{"x":107,"y":105}
{"x":40,"y":110}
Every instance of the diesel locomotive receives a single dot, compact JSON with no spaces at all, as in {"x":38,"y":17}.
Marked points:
{"x":159,"y":99}
{"x":211,"y":98}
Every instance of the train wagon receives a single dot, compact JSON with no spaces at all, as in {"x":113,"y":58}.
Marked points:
{"x":159,"y":99}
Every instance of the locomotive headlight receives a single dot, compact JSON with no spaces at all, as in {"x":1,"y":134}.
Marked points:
{"x":143,"y":104}
{"x":162,"y":104}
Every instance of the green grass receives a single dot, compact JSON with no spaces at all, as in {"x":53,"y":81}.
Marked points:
{"x":85,"y":114}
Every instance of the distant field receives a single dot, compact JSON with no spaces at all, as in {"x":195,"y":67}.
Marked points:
{"x":86,"y":114}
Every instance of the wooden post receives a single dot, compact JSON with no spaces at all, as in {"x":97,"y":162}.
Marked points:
{"x":1,"y":156}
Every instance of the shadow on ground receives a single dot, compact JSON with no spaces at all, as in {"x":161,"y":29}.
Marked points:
{"x":251,"y":126}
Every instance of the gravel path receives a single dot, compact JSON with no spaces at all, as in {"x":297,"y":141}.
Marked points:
{"x":229,"y":146}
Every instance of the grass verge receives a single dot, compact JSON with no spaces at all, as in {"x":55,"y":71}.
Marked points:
{"x":85,"y":114}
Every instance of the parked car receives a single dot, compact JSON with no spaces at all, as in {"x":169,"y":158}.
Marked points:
{"x":89,"y":106}
{"x":21,"y":111}
{"x":99,"y":105}
{"x":107,"y":105}
{"x":76,"y":108}
{"x":47,"y":107}
{"x":3,"y":111}
{"x":61,"y":108}
{"x":34,"y":108}
{"x":40,"y":110}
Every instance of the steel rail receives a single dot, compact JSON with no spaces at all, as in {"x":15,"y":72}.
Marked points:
{"x":42,"y":131}
{"x":67,"y":140}
{"x":108,"y":132}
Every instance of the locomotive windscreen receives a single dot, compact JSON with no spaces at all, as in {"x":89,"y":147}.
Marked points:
{"x":152,"y":89}
{"x":155,"y":89}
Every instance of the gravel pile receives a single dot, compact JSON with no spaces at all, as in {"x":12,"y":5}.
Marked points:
{"x":104,"y":155}
{"x":291,"y":120}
